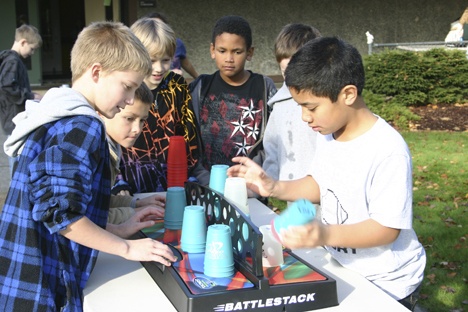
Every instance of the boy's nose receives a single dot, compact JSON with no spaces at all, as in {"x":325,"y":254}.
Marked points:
{"x":136,"y":128}
{"x":157,"y":67}
{"x":306,"y":116}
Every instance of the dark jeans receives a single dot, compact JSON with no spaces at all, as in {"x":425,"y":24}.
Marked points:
{"x":410,"y":301}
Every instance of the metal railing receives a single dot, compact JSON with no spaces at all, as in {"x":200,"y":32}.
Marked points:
{"x":415,"y":46}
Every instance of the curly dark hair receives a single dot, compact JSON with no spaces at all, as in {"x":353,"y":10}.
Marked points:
{"x":233,"y":24}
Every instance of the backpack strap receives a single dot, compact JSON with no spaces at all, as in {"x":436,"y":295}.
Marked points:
{"x":257,"y":152}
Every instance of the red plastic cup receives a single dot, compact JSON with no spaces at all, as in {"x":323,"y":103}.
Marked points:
{"x":177,"y":152}
{"x":177,"y":162}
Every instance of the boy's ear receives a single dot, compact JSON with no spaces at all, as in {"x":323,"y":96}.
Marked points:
{"x":350,"y":94}
{"x":22,"y":42}
{"x":212,"y":51}
{"x":250,"y":53}
{"x":96,"y":71}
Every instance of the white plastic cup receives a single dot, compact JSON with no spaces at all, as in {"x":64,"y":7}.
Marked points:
{"x":272,"y":250}
{"x":235,"y":191}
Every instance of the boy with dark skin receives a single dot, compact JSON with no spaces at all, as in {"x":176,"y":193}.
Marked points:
{"x":231,"y":104}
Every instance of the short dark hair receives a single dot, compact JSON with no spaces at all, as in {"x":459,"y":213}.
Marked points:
{"x":324,"y":66}
{"x":291,"y":38}
{"x":158,"y":15}
{"x":144,"y":94}
{"x":233,"y":24}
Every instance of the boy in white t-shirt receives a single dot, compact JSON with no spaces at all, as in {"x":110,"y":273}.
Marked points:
{"x":362,"y":174}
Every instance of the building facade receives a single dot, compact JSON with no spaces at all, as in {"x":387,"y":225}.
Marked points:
{"x":59,"y":22}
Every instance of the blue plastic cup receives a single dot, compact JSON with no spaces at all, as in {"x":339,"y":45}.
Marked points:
{"x":219,"y":259}
{"x":299,"y":212}
{"x":193,"y":239}
{"x":175,"y":205}
{"x":218,"y":176}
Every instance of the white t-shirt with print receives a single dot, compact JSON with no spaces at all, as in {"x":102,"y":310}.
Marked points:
{"x":371,"y":177}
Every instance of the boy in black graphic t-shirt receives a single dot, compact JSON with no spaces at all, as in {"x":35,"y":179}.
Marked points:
{"x":231,"y":104}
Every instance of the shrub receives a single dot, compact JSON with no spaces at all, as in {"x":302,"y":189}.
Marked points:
{"x":448,"y":73}
{"x":418,"y":78}
{"x":396,"y":114}
{"x":398,"y":74}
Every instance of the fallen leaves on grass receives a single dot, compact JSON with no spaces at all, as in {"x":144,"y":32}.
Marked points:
{"x":451,"y":274}
{"x":448,"y":289}
{"x":450,"y":222}
{"x":431,"y":278}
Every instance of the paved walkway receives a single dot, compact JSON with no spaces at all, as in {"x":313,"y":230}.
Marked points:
{"x":4,"y":172}
{"x":4,"y":169}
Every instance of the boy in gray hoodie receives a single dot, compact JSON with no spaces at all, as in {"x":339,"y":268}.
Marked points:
{"x":288,"y":142}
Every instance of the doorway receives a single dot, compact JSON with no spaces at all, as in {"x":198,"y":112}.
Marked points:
{"x":60,"y":23}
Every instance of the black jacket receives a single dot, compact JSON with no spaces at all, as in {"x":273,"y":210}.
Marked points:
{"x":14,"y":88}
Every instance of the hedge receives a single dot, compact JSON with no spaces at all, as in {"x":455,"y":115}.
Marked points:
{"x":398,"y":79}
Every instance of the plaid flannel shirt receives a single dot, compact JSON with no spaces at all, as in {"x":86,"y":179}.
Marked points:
{"x":62,"y":175}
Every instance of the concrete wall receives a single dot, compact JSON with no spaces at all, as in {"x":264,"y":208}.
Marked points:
{"x":388,"y":21}
{"x":96,"y":10}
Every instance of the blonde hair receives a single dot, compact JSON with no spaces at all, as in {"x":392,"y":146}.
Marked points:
{"x":30,"y":34}
{"x":111,"y":44}
{"x":157,"y":36}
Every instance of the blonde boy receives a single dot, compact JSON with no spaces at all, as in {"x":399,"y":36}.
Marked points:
{"x":14,"y":81}
{"x":54,"y":220}
{"x":144,"y":166}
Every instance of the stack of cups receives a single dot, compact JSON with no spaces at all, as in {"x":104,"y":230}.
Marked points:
{"x":193,"y":238}
{"x":272,"y":250}
{"x":219,"y":259}
{"x":175,"y":205}
{"x":235,"y":191}
{"x":176,"y":161}
{"x":218,"y":176}
{"x":299,"y":212}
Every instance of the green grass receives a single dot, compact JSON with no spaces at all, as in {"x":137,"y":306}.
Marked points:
{"x":440,"y":208}
{"x":440,"y":204}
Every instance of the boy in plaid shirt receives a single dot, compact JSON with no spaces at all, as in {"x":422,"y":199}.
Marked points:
{"x":54,"y":220}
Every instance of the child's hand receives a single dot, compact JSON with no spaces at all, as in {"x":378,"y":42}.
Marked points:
{"x":141,"y":219}
{"x":157,"y":212}
{"x":255,"y":177}
{"x":148,"y":249}
{"x":124,"y":193}
{"x":312,"y":234}
{"x":156,"y":200}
